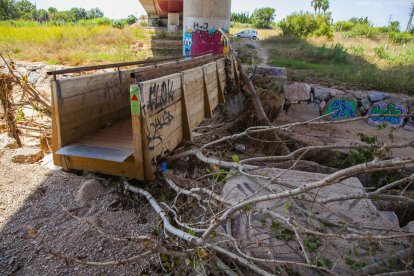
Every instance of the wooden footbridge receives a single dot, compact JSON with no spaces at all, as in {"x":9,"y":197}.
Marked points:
{"x":124,"y":121}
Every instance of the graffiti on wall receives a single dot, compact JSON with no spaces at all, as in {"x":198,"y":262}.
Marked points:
{"x":201,"y":41}
{"x":161,"y":120}
{"x":387,"y":109}
{"x":202,"y":35}
{"x":160,"y":95}
{"x":341,"y":108}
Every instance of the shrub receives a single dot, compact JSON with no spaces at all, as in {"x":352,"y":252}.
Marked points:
{"x":400,"y":38}
{"x":394,"y":26}
{"x":381,"y":52}
{"x":343,"y":26}
{"x":263,"y":18}
{"x":119,"y":24}
{"x":363,"y":30}
{"x":95,"y":22}
{"x":358,"y":50}
{"x":336,"y":53}
{"x":238,"y":25}
{"x":132,"y":19}
{"x":306,"y":24}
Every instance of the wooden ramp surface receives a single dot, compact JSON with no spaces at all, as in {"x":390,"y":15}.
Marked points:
{"x":114,"y":143}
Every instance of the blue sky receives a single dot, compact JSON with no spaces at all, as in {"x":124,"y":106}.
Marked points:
{"x":378,"y":11}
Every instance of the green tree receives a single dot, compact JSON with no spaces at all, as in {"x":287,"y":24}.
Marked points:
{"x":394,"y":26}
{"x":79,"y":13}
{"x":325,"y":6}
{"x":132,"y":19}
{"x":27,"y":10}
{"x":8,"y":10}
{"x":317,"y":5}
{"x":42,"y":15}
{"x":263,"y":18}
{"x":95,"y":13}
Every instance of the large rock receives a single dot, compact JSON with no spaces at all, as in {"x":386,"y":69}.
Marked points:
{"x":265,"y":236}
{"x":271,"y":71}
{"x":324,"y":93}
{"x":360,"y":95}
{"x":304,"y":112}
{"x":388,"y":107}
{"x":88,"y":191}
{"x":376,"y":96}
{"x":297,"y":92}
{"x":341,"y":108}
{"x":6,"y":142}
{"x":27,"y":155}
{"x":365,"y":105}
{"x":410,"y":123}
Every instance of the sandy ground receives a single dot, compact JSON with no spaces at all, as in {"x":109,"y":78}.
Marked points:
{"x":33,"y":223}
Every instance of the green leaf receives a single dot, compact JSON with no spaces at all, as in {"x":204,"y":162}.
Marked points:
{"x":235,"y":158}
{"x":312,"y":243}
{"x":282,"y":233}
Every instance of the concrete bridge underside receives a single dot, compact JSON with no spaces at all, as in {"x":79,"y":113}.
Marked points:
{"x":164,"y":12}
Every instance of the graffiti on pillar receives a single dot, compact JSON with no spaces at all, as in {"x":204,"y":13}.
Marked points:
{"x":389,"y":109}
{"x":188,"y":42}
{"x":196,"y":42}
{"x":341,"y":108}
{"x":204,"y":41}
{"x":203,"y":35}
{"x":200,"y":26}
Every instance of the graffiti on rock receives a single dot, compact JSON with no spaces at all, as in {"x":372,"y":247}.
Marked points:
{"x":341,"y":108}
{"x":389,"y":109}
{"x":161,"y":120}
{"x":161,"y":95}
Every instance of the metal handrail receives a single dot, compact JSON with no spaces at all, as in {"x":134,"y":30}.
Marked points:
{"x":124,"y":64}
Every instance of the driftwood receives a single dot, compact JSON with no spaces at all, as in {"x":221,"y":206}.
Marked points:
{"x":33,"y":96}
{"x":6,"y":97}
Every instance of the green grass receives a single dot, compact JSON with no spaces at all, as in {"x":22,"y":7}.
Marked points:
{"x":352,"y":63}
{"x":75,"y":44}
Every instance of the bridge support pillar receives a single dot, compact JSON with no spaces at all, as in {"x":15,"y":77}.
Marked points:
{"x":173,"y":22}
{"x":202,"y":21}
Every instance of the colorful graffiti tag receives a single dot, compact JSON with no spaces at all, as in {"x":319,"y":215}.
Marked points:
{"x":201,"y":41}
{"x":387,"y":109}
{"x":341,"y":108}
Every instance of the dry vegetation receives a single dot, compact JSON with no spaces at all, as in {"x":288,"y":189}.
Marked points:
{"x":359,"y":63}
{"x":75,"y":45}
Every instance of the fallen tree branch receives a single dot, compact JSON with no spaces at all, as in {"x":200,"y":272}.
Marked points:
{"x":329,"y":180}
{"x":167,"y":225}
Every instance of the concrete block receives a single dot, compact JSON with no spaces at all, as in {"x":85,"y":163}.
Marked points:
{"x":297,"y":91}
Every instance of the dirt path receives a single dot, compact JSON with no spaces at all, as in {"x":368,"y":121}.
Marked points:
{"x":261,"y":52}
